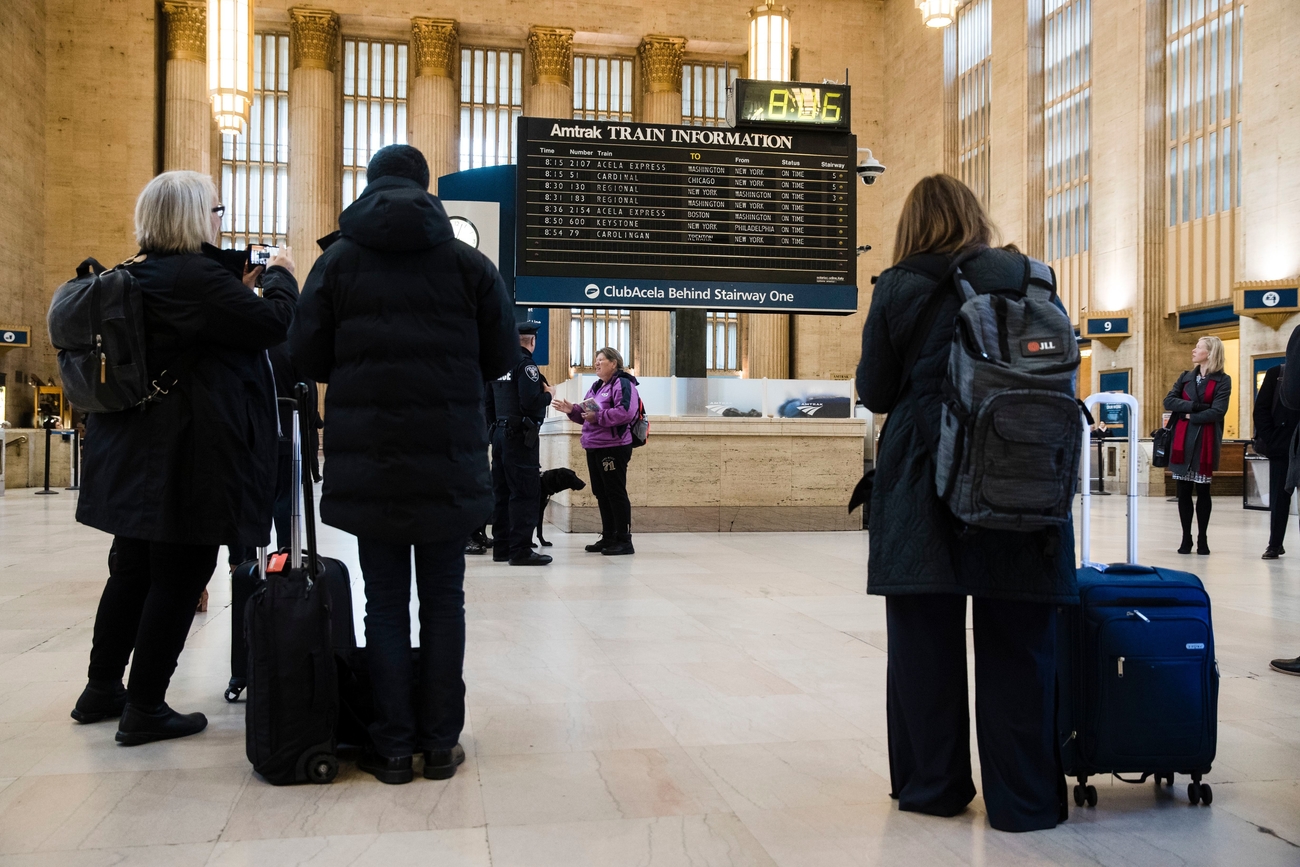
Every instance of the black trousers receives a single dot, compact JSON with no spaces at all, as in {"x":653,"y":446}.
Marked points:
{"x":1279,"y":499}
{"x":607,"y":469}
{"x":432,"y":719}
{"x":279,"y":513}
{"x":516,"y":490}
{"x":146,"y":608}
{"x":927,"y":708}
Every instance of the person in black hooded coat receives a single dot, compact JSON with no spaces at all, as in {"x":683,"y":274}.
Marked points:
{"x":405,"y":324}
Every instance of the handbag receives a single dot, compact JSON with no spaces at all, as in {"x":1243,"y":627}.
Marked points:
{"x":1162,"y":443}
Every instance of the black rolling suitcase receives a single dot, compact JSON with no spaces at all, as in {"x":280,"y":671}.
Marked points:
{"x":293,"y":699}
{"x":244,"y":580}
{"x":1138,"y":683}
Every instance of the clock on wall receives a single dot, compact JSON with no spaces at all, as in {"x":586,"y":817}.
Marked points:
{"x":788,"y":103}
{"x":465,"y":231}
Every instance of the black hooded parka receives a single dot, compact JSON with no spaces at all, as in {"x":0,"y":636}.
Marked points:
{"x":404,"y":323}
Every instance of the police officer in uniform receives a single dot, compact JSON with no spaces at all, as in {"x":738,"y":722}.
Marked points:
{"x":521,"y":398}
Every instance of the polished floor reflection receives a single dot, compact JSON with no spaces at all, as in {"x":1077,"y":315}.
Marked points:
{"x":714,"y":700}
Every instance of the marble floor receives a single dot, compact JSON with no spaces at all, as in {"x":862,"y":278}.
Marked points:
{"x":716,"y":699}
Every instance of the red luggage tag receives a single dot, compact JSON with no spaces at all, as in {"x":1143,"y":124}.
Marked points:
{"x":275,"y":563}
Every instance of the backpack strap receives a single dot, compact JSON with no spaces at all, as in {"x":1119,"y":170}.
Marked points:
{"x":925,"y":322}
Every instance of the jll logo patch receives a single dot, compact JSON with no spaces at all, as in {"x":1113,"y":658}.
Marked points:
{"x":1041,"y":346}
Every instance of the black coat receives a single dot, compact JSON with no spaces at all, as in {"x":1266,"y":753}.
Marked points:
{"x":914,"y":541}
{"x":197,"y":467}
{"x":1207,"y":421}
{"x":404,"y":323}
{"x":1275,"y":422}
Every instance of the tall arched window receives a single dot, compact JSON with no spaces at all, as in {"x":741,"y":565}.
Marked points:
{"x":1067,"y":148}
{"x":374,"y":106}
{"x":255,"y":165}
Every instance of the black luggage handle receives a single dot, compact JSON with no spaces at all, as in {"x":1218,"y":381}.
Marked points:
{"x":300,"y":446}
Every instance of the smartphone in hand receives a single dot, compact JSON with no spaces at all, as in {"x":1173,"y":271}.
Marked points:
{"x":260,"y":254}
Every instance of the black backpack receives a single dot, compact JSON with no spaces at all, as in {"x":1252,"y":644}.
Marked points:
{"x":96,"y":322}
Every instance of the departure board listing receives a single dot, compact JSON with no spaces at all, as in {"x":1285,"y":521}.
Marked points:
{"x":647,"y":215}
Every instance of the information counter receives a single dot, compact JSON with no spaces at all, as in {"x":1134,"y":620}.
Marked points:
{"x":703,"y":471}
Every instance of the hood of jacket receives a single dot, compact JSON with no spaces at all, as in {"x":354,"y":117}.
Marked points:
{"x":395,"y":214}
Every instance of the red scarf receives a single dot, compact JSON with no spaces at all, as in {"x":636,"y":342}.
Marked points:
{"x":1177,"y":453}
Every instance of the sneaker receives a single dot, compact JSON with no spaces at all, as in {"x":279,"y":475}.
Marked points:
{"x":140,"y":726}
{"x":441,"y":764}
{"x":1286,"y":666}
{"x":532,"y":558}
{"x":597,"y":546}
{"x":616,"y":548}
{"x":385,"y":770}
{"x":100,"y":701}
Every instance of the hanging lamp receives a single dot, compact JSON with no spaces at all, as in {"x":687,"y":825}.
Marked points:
{"x":230,"y":62}
{"x":937,"y":13}
{"x":769,"y":42}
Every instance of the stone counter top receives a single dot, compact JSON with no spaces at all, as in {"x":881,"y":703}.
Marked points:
{"x":733,"y":427}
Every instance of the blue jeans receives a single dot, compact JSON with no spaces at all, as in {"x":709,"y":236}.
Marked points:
{"x":431,"y":716}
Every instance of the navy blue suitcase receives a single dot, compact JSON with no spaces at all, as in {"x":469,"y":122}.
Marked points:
{"x":1138,"y":685}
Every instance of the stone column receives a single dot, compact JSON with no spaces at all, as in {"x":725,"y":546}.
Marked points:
{"x":187,"y":112}
{"x":433,"y":106}
{"x":313,"y":153}
{"x":550,"y":94}
{"x":661,"y":75}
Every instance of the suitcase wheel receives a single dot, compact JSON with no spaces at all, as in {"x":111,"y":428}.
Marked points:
{"x":322,"y":768}
{"x":1085,"y":795}
{"x":234,"y":689}
{"x":1199,"y":792}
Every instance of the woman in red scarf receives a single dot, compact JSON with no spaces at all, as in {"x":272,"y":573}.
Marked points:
{"x":1199,"y":402}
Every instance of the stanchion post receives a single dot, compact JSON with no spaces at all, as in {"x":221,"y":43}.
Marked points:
{"x":76,"y":462}
{"x":48,"y":437}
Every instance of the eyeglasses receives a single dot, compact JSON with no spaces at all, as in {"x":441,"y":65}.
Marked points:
{"x":219,"y":210}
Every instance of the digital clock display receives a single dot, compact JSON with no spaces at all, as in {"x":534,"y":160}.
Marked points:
{"x":783,"y":102}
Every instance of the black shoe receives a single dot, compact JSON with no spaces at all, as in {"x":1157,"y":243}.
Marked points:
{"x":139,"y":726}
{"x":480,"y":537}
{"x":597,"y":546}
{"x":474,"y":548}
{"x":615,"y":548}
{"x":100,"y":700}
{"x":500,"y":554}
{"x":1186,"y":547}
{"x":1286,"y":666}
{"x":1202,"y":546}
{"x":531,"y":558}
{"x":385,"y":770}
{"x":1271,"y":553}
{"x":441,"y":764}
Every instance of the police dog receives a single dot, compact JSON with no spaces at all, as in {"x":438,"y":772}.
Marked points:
{"x":554,"y":481}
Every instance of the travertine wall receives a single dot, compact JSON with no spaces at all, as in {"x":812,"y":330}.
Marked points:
{"x":22,"y":177}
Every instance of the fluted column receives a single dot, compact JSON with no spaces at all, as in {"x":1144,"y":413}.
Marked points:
{"x":550,"y":94}
{"x":661,"y":75}
{"x":187,"y":113}
{"x":432,"y":105}
{"x":313,"y":163}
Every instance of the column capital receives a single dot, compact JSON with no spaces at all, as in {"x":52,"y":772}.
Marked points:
{"x":661,"y":63}
{"x":552,"y":52}
{"x":314,"y":37}
{"x":187,"y":31}
{"x":433,"y":44}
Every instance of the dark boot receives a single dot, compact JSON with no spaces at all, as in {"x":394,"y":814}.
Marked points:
{"x":441,"y":764}
{"x":597,"y":546}
{"x":140,"y":726}
{"x":386,"y":770}
{"x":1202,"y":546}
{"x":530,"y":558}
{"x":100,"y":700}
{"x":1186,"y":547}
{"x":622,"y":545}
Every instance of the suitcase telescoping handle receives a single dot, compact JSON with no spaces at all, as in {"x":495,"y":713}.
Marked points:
{"x":295,"y":498}
{"x":1085,"y":544}
{"x":302,"y":482}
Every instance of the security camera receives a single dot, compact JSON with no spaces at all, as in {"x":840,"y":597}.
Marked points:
{"x":870,"y":168}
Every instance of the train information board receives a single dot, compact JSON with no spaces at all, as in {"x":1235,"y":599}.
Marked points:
{"x":616,"y":214}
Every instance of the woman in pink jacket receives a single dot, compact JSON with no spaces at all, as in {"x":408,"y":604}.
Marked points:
{"x":606,"y":415}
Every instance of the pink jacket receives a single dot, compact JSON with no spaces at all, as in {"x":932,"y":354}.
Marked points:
{"x":617,"y":403}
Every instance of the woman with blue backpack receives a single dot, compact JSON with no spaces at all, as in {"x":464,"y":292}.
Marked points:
{"x":607,"y":415}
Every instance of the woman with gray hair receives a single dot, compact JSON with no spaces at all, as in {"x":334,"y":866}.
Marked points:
{"x":190,"y":472}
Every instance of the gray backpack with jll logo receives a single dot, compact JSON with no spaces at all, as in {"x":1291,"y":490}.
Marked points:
{"x":1010,"y":431}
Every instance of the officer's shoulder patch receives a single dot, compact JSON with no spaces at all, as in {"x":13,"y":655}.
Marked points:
{"x":532,"y":372}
